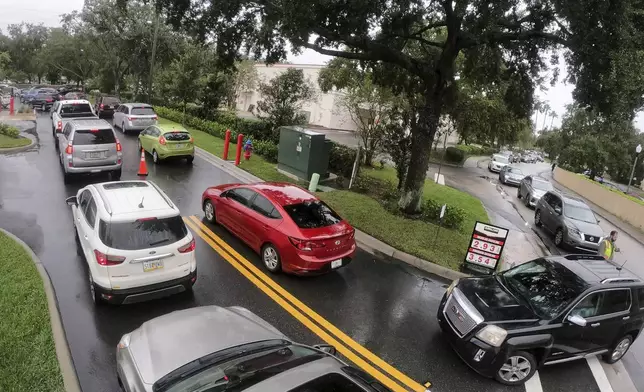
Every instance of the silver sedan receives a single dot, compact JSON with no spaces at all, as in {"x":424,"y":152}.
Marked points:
{"x":510,"y":175}
{"x":215,"y":349}
{"x":531,"y":189}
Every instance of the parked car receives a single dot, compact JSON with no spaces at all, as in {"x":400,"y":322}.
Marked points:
{"x":135,"y":242}
{"x":214,"y":349}
{"x":32,"y":96}
{"x":88,"y":146}
{"x":571,"y":221}
{"x":166,"y":142}
{"x":134,"y":117}
{"x":74,"y":95}
{"x":28,"y":95}
{"x":550,"y":310}
{"x":497,"y":162}
{"x":510,"y":175}
{"x":291,"y":229}
{"x":44,"y":101}
{"x":531,"y":189}
{"x":106,"y":105}
{"x":64,"y":111}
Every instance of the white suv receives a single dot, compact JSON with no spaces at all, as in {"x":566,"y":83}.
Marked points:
{"x":134,"y":240}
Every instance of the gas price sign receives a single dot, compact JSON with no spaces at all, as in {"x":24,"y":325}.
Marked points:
{"x":486,"y":245}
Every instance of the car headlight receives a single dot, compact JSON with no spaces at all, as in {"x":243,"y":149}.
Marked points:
{"x":451,"y":287}
{"x":124,"y":342}
{"x":492,"y":335}
{"x":574,"y":230}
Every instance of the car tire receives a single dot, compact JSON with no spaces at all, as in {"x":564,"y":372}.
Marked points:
{"x":189,"y":160}
{"x":559,"y":238}
{"x":209,"y":211}
{"x":123,"y":128}
{"x":67,"y":178}
{"x":537,"y":218}
{"x":527,"y":199}
{"x":116,"y":175}
{"x":519,"y":193}
{"x":96,"y":300}
{"x":43,"y":108}
{"x":139,"y":144}
{"x":519,"y":368}
{"x":155,"y":157}
{"x":619,"y":350}
{"x":271,"y":258}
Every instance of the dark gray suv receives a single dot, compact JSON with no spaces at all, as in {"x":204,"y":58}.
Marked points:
{"x":571,"y":221}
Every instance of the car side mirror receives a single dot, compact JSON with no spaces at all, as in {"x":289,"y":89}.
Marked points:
{"x":558,"y":210}
{"x":577,"y":320}
{"x":72,"y":201}
{"x":327,"y":348}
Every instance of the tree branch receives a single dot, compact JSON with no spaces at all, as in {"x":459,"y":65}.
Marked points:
{"x":428,"y":27}
{"x":495,"y":37}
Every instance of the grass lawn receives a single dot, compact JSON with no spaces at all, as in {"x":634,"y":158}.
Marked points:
{"x":411,"y":236}
{"x":441,"y":194}
{"x":257,"y":165}
{"x":10,"y":142}
{"x":28,"y":355}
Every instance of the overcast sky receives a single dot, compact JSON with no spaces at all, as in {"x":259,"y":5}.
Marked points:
{"x":48,"y":12}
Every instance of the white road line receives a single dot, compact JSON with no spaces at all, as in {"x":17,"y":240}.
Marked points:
{"x":599,"y":374}
{"x":534,"y":383}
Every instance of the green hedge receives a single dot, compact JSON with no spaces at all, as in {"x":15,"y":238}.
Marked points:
{"x":265,"y":141}
{"x":9,"y":130}
{"x":454,"y":155}
{"x":476,"y":150}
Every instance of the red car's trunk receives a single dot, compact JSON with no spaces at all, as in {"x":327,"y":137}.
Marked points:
{"x":325,"y":241}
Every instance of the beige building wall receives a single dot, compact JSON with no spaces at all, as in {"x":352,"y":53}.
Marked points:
{"x":623,"y":208}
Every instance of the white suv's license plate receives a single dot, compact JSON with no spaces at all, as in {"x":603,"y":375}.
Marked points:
{"x":336,"y":263}
{"x":152,"y":265}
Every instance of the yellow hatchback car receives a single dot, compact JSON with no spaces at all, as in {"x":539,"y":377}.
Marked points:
{"x":164,"y":141}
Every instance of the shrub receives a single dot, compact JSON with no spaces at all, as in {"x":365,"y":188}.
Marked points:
{"x":267,"y":149}
{"x":454,"y":155}
{"x":341,"y":159}
{"x":9,"y":130}
{"x":476,"y":150}
{"x":377,"y":188}
{"x":453,"y":219}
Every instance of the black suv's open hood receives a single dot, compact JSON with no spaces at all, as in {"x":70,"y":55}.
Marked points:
{"x":494,"y":302}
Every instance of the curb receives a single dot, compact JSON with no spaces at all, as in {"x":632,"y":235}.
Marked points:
{"x":18,"y":149}
{"x":67,"y":369}
{"x":364,"y":241}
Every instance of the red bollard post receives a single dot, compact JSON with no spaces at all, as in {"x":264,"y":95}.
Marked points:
{"x":226,"y":144}
{"x":11,"y":106}
{"x":240,"y":142}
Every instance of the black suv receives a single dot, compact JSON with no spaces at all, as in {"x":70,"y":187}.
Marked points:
{"x":549,"y":310}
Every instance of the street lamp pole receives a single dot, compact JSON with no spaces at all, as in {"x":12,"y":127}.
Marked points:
{"x":638,"y":149}
{"x":154,"y":50}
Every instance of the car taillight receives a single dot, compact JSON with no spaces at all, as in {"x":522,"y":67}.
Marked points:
{"x":162,"y":140}
{"x":59,"y":125}
{"x":155,"y":118}
{"x":304,"y":244}
{"x":188,"y":248}
{"x":101,"y":106}
{"x":49,"y":99}
{"x":69,"y":150}
{"x":192,"y":140}
{"x":129,"y":119}
{"x":119,"y":148}
{"x":353,"y":234}
{"x":103,"y":259}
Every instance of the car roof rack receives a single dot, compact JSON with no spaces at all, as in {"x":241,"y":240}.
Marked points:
{"x":583,"y":257}
{"x":620,"y":280}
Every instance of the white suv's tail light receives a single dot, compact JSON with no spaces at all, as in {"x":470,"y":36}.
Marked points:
{"x":107,"y":260}
{"x":190,"y":247}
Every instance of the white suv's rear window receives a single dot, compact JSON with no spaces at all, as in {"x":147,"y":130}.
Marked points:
{"x":142,"y":233}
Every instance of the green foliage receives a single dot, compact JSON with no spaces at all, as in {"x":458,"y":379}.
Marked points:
{"x":453,"y":219}
{"x":472,"y":150}
{"x":341,"y":159}
{"x":283,"y":98}
{"x":9,"y":130}
{"x":267,"y":149}
{"x":183,"y":79}
{"x":454,"y":155}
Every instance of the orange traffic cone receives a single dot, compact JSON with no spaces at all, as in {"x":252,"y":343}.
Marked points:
{"x":143,"y":168}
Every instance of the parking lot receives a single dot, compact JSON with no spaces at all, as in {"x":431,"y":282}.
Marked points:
{"x":379,"y":312}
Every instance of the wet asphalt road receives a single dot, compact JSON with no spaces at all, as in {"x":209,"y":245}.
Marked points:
{"x":386,"y":306}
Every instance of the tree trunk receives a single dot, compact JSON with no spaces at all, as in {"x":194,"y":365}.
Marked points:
{"x":368,"y":156}
{"x":422,"y":138}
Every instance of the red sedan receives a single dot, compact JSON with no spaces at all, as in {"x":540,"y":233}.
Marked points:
{"x":289,"y":227}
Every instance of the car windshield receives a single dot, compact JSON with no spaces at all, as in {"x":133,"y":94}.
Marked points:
{"x":542,"y":185}
{"x":514,"y":170}
{"x":243,"y":371}
{"x":501,"y":158}
{"x":547,"y":286}
{"x":579,"y":213}
{"x":142,"y":233}
{"x":312,"y":214}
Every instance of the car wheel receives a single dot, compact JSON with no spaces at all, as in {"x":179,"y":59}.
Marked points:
{"x":67,"y":178}
{"x":209,"y":211}
{"x":619,"y":350}
{"x":43,"y":108}
{"x":517,"y":369}
{"x":271,"y":258}
{"x":123,"y":128}
{"x":519,"y":193}
{"x":139,"y":144}
{"x":537,"y":218}
{"x":559,"y":237}
{"x":527,"y":199}
{"x":155,"y":157}
{"x":116,"y":175}
{"x":189,"y":160}
{"x":92,"y":291}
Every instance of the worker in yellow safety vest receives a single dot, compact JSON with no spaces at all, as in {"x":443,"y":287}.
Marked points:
{"x":607,"y":247}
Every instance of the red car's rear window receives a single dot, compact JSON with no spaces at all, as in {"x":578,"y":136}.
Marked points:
{"x":312,"y":214}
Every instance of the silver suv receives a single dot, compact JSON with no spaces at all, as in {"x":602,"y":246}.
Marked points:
{"x":573,"y":223}
{"x":89,"y":146}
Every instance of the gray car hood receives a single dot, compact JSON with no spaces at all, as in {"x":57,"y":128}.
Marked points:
{"x":537,"y":194}
{"x":592,"y":229}
{"x":166,"y":343}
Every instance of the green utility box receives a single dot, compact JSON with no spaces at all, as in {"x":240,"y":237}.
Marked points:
{"x":302,"y":152}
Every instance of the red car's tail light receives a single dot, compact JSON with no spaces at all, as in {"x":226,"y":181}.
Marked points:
{"x":188,"y":248}
{"x":352,"y":234}
{"x":103,"y":259}
{"x":305,"y":245}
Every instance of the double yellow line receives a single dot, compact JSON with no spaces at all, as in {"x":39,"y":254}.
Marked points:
{"x":382,"y":371}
